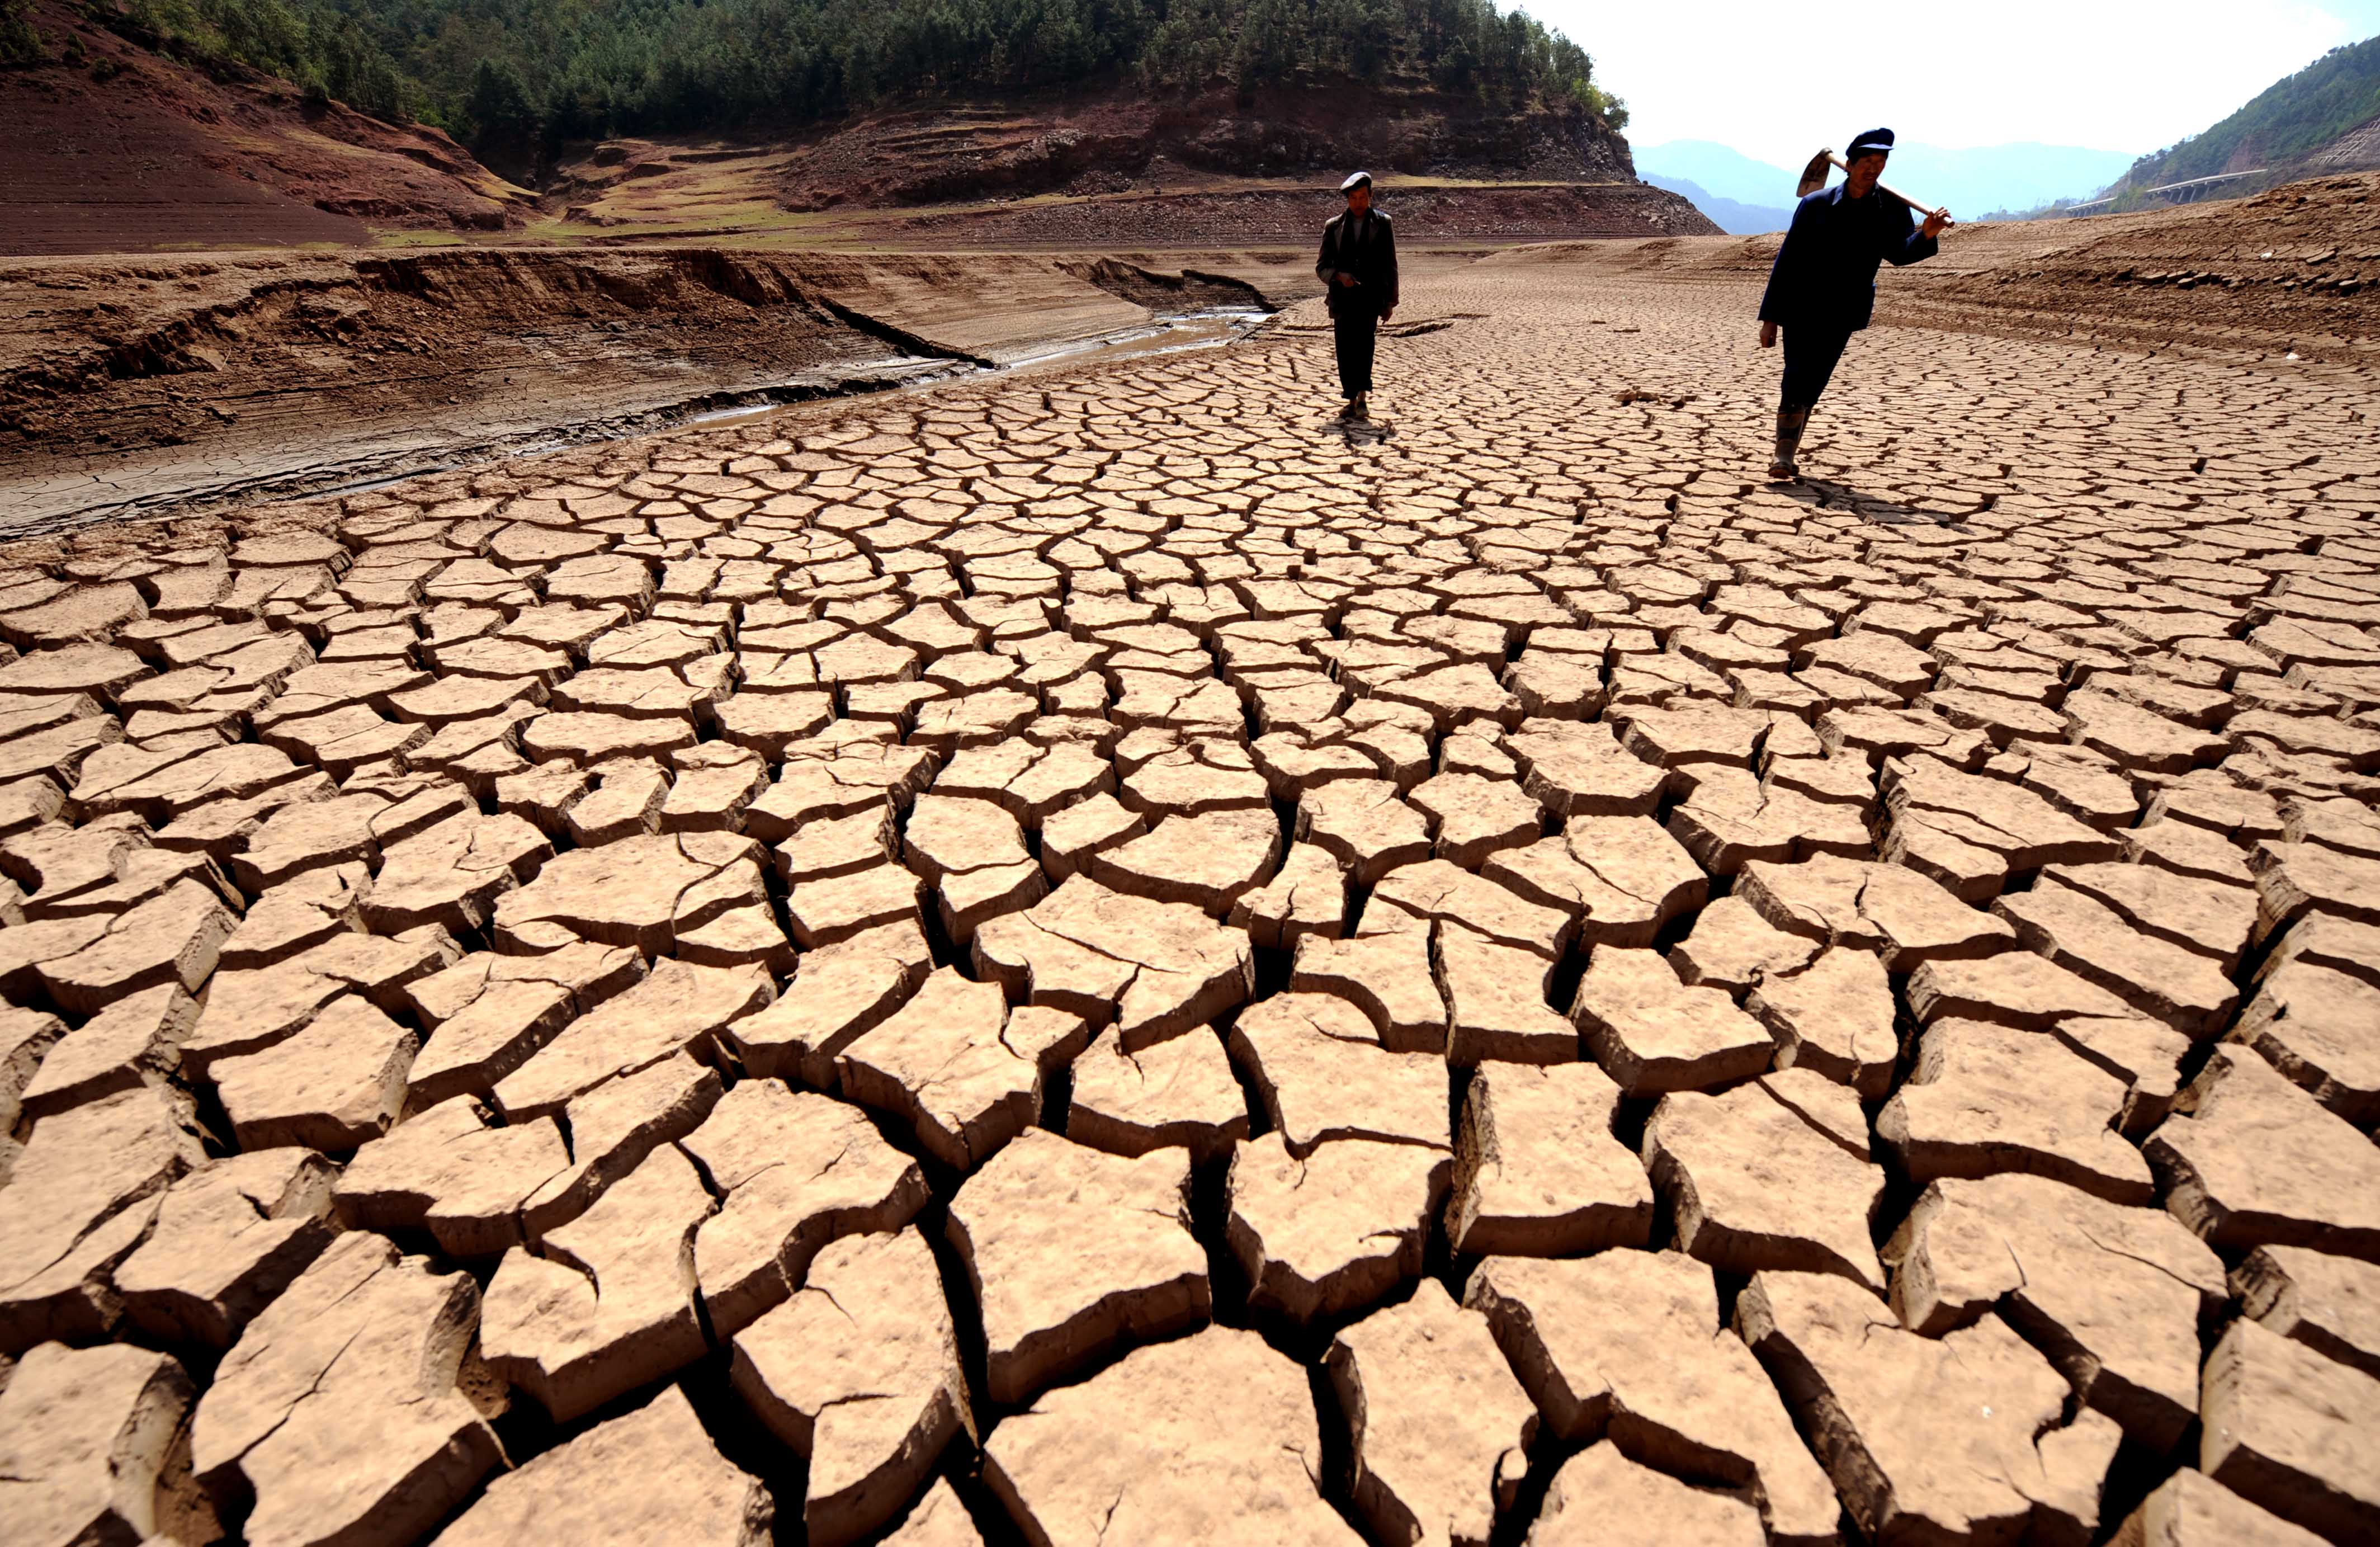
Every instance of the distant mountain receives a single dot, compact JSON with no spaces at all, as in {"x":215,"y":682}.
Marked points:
{"x":2024,"y":177}
{"x":1730,"y":215}
{"x":1719,"y":170}
{"x":2324,"y":118}
{"x":1971,"y":182}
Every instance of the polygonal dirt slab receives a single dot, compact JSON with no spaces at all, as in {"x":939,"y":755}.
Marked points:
{"x":859,"y":1372}
{"x":1958,"y":1434}
{"x":1628,"y":1343}
{"x":1070,"y":1249}
{"x":649,"y":1474}
{"x":1221,"y":1447}
{"x":1435,"y":1422}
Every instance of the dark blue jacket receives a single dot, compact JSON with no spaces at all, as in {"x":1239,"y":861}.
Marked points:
{"x":1367,"y":249}
{"x":1824,"y":273}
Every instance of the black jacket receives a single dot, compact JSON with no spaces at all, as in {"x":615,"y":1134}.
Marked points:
{"x":1824,"y":273}
{"x":1368,"y":251}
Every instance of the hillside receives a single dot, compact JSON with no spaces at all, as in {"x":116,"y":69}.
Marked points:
{"x":1731,"y":216}
{"x":112,"y":143}
{"x":517,"y":79}
{"x":2323,"y":119}
{"x":160,"y":124}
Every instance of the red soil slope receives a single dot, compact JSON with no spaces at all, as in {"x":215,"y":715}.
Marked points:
{"x":129,"y":149}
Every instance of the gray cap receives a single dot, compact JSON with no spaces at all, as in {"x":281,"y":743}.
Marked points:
{"x":1360,"y":179}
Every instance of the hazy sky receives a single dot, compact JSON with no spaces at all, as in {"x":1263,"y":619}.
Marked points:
{"x":1777,"y":79}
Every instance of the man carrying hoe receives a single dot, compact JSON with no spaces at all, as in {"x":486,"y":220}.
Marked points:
{"x":1359,"y":267}
{"x":1822,"y":288}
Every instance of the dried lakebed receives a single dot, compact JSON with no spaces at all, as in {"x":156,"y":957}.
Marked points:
{"x":1095,"y":956}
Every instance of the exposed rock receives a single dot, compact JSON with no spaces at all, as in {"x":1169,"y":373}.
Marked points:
{"x":859,"y":1372}
{"x":1222,"y":1448}
{"x":1335,"y":1230}
{"x":1630,"y":1344}
{"x":1071,"y":1250}
{"x":1438,"y":1426}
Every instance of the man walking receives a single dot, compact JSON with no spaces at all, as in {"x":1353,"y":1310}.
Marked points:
{"x":1358,"y":268}
{"x":1822,"y":287}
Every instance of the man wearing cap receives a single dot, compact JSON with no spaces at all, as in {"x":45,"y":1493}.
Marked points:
{"x":1822,"y":287}
{"x":1358,"y":268}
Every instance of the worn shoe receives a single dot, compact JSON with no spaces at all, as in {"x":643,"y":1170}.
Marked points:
{"x":1782,"y":469}
{"x":1356,"y":409}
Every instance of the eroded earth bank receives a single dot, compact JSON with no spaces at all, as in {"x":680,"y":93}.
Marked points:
{"x":1098,"y":956}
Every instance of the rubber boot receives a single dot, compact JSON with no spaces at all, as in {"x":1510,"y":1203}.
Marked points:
{"x":1790,"y":424}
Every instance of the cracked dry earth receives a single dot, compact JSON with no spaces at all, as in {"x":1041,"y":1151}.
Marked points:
{"x":1100,"y":960}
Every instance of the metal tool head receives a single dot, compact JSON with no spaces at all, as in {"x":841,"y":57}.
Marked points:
{"x":1813,"y":177}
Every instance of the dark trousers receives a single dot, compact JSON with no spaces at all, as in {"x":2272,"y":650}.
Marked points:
{"x":1356,"y":332}
{"x":1809,"y":358}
